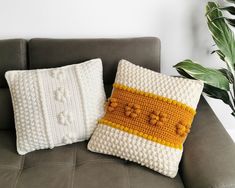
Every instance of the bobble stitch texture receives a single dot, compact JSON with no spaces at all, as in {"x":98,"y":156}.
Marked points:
{"x":132,"y":110}
{"x":65,"y":118}
{"x":157,"y":118}
{"x":183,"y":128}
{"x":40,"y":95}
{"x":149,"y":134}
{"x":61,"y":94}
{"x":69,"y":138}
{"x":57,"y":74}
{"x":112,"y":104}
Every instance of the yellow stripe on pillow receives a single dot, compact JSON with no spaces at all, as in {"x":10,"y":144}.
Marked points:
{"x":150,"y":117}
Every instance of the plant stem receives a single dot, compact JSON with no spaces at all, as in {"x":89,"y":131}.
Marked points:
{"x":233,"y":113}
{"x":232,"y":97}
{"x":232,"y":103}
{"x":233,"y":84}
{"x":234,"y":94}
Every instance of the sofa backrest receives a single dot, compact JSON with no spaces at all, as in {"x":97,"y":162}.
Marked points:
{"x":12,"y":57}
{"x":48,"y":53}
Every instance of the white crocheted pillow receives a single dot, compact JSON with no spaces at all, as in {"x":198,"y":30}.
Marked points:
{"x":58,"y":106}
{"x":148,"y":117}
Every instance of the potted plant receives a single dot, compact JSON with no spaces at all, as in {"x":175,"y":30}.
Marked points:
{"x":218,"y":83}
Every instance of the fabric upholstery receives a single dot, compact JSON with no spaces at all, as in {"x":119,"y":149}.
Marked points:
{"x":72,"y":166}
{"x":6,"y":110}
{"x":47,"y":53}
{"x":12,"y":57}
{"x":208,"y":159}
{"x":209,"y":153}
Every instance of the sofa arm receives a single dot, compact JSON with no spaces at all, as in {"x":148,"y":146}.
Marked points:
{"x":209,"y":153}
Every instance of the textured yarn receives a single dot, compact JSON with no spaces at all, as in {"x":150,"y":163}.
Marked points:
{"x":179,"y":89}
{"x":58,"y":106}
{"x":130,"y":147}
{"x":156,"y":118}
{"x":148,"y":118}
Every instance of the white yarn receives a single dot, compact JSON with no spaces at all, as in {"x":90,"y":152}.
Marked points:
{"x":54,"y":107}
{"x":119,"y":143}
{"x":61,"y":94}
{"x":57,"y":74}
{"x":65,"y":118}
{"x":69,"y":138}
{"x":183,"y":90}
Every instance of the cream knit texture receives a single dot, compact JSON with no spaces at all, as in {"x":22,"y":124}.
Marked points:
{"x":155,"y":155}
{"x":180,"y":89}
{"x":130,"y":147}
{"x":58,"y":106}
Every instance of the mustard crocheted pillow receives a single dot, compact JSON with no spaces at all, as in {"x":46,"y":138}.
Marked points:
{"x":148,"y":117}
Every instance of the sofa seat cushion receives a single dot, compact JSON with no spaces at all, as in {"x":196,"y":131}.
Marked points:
{"x":72,"y":166}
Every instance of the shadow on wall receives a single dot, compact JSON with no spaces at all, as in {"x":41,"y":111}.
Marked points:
{"x":202,"y":41}
{"x":200,"y":34}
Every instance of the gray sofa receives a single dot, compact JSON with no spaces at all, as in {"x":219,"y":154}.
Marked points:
{"x":209,"y":153}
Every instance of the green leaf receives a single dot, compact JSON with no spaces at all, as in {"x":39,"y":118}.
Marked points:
{"x":231,"y":21}
{"x":221,"y":33}
{"x":231,"y":1}
{"x":183,"y":73}
{"x":230,"y":9}
{"x":217,"y":94}
{"x":227,"y":74}
{"x":219,"y":53}
{"x":207,"y":75}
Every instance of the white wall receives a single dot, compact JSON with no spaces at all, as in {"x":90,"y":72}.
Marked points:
{"x":103,"y":18}
{"x":179,"y":24}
